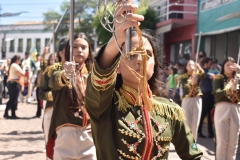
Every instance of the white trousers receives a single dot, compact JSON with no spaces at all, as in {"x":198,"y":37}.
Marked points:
{"x":192,"y":107}
{"x":227,"y":125}
{"x":74,"y":143}
{"x":46,"y":122}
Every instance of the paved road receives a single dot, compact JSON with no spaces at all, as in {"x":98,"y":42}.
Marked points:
{"x":23,"y":139}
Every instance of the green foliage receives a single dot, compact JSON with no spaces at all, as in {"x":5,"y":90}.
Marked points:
{"x":148,"y":23}
{"x":84,"y":11}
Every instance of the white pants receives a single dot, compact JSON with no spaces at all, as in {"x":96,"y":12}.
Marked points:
{"x":227,"y":125}
{"x":192,"y":107}
{"x":74,"y":143}
{"x":46,"y":122}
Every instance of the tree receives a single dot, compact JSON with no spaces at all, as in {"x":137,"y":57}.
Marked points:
{"x":148,"y":23}
{"x":84,"y":9}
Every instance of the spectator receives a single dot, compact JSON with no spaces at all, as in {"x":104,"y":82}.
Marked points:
{"x":214,"y":67}
{"x":172,"y":84}
{"x":6,"y":68}
{"x":207,"y":98}
{"x":30,"y":70}
{"x":14,"y":85}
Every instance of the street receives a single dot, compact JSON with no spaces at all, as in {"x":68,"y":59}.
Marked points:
{"x":23,"y":139}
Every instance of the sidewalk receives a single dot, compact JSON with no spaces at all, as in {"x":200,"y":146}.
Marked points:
{"x":23,"y":139}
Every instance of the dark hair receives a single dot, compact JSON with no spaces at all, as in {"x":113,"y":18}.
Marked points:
{"x":89,"y":60}
{"x":205,"y":60}
{"x":61,"y":47}
{"x":49,"y":58}
{"x":185,"y":66}
{"x":74,"y":95}
{"x":174,"y":70}
{"x":224,"y":62}
{"x":156,"y":82}
{"x":27,"y":53}
{"x":204,"y":53}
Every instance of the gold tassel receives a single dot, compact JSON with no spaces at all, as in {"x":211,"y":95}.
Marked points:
{"x":171,"y":112}
{"x":143,"y":82}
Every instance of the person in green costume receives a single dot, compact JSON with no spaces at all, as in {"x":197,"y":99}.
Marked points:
{"x":45,"y":92}
{"x":123,"y":125}
{"x":227,"y":110}
{"x":70,"y":130}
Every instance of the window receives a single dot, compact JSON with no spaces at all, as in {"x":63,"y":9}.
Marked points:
{"x":38,"y":44}
{"x":46,"y":41}
{"x":29,"y":43}
{"x":20,"y":45}
{"x":11,"y":46}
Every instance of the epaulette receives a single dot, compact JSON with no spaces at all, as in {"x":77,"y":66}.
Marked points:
{"x":182,"y":76}
{"x":54,"y":67}
{"x":166,"y":107}
{"x":218,"y":76}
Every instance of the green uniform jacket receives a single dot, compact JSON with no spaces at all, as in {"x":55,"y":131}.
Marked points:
{"x":220,"y":91}
{"x":60,"y":116}
{"x":183,"y":81}
{"x":45,"y":92}
{"x":114,"y":130}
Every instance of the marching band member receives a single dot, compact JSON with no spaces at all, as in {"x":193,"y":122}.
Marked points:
{"x":127,"y":124}
{"x":70,"y":130}
{"x":45,"y":92}
{"x":191,"y":100}
{"x":227,"y":110}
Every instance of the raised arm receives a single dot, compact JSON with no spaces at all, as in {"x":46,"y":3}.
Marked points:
{"x":100,"y":87}
{"x":111,"y":51}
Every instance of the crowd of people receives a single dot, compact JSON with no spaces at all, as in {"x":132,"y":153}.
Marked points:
{"x":206,"y":88}
{"x":114,"y":106}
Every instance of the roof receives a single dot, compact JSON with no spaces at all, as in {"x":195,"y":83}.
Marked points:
{"x":221,"y":31}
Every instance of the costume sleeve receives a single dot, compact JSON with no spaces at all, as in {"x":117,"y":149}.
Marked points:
{"x":58,"y":81}
{"x":184,"y":142}
{"x":201,"y":74}
{"x":100,"y":87}
{"x":44,"y":91}
{"x":218,"y":88}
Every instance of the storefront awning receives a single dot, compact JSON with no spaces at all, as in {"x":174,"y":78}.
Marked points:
{"x":221,"y":31}
{"x":164,"y":29}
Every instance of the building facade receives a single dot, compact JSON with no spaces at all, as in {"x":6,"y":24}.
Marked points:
{"x":219,"y":27}
{"x":176,"y":28}
{"x":19,"y":38}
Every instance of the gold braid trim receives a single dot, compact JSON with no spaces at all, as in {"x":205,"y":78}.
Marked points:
{"x":50,"y":69}
{"x":123,"y":104}
{"x":171,"y":112}
{"x":166,"y":139}
{"x":60,"y":79}
{"x":49,"y":96}
{"x":103,"y":82}
{"x":182,"y":76}
{"x":218,"y":76}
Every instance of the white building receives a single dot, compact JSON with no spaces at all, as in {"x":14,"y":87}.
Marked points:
{"x":21,"y":37}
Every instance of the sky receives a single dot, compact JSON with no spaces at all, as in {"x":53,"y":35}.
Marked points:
{"x":34,"y":9}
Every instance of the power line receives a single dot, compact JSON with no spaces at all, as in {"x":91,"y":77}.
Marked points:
{"x":30,"y":4}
